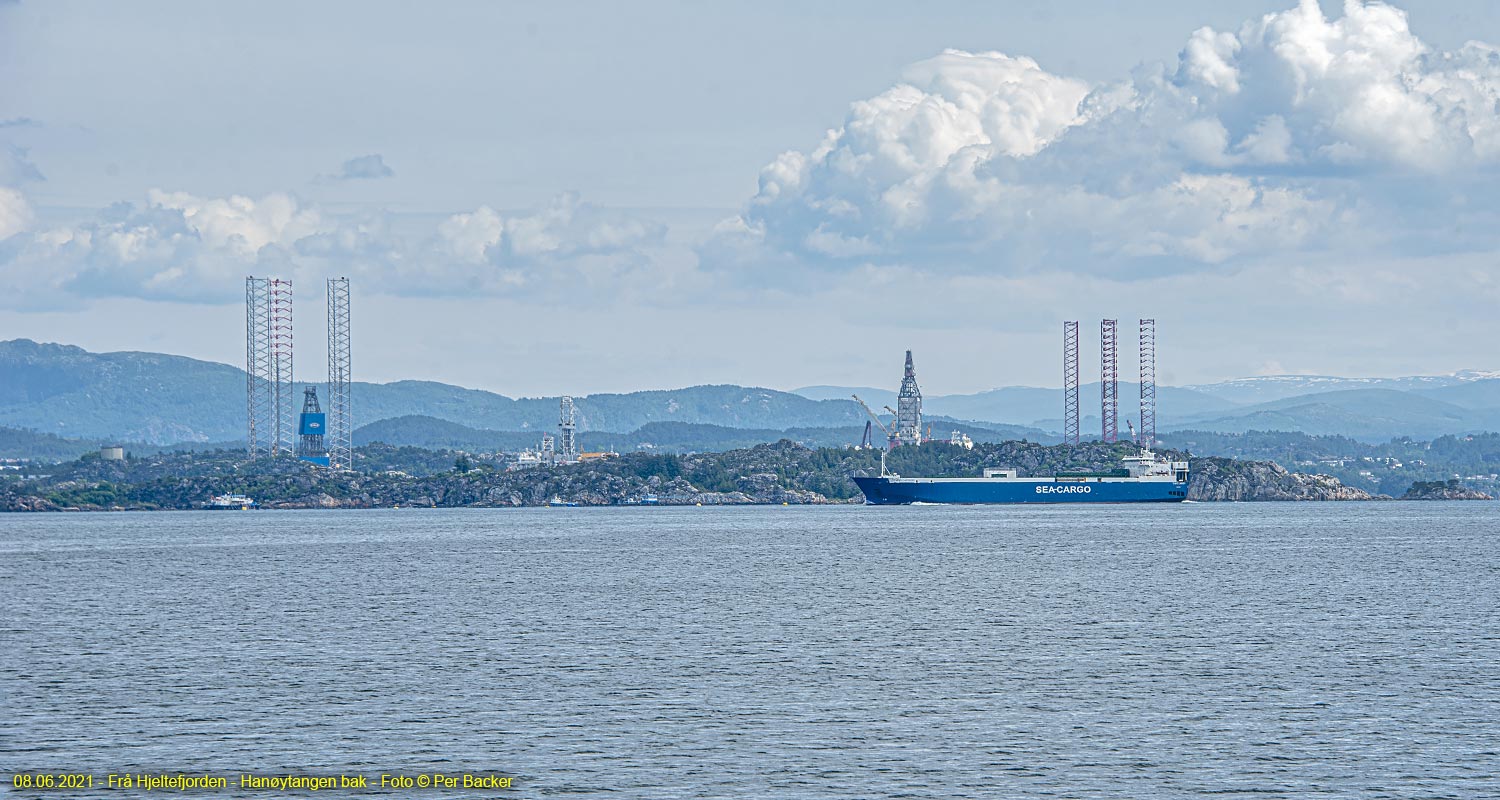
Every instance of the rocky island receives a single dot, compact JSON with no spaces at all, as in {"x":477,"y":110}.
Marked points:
{"x":782,"y":472}
{"x":1450,"y":489}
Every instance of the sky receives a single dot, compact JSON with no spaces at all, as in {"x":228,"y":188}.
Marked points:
{"x":547,"y":198}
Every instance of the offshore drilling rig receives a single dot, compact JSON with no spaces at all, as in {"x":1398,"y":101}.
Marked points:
{"x":567,"y":429}
{"x":269,"y":389}
{"x":906,"y":417}
{"x":908,"y":428}
{"x":1109,"y":383}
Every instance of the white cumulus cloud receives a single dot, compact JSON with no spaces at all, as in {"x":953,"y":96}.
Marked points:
{"x":179,"y":246}
{"x":567,"y":239}
{"x":1293,"y":132}
{"x":1361,"y":89}
{"x":172,"y":246}
{"x":15,"y":213}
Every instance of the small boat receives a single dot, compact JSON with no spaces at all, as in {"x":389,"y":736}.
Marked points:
{"x":230,"y":502}
{"x":558,"y":502}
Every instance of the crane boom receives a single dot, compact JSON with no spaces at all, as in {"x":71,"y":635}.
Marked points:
{"x":878,"y":423}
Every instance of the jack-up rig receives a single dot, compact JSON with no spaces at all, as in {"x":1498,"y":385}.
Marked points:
{"x":324,"y":439}
{"x":1109,"y":383}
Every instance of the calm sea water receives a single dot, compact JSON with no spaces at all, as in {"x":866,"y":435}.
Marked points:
{"x":1331,"y":650}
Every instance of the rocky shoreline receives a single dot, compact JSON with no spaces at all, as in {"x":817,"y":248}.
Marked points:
{"x":1223,"y":479}
{"x":1443,"y":490}
{"x":771,"y":474}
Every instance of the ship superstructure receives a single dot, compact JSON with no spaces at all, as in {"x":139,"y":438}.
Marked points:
{"x":230,"y":502}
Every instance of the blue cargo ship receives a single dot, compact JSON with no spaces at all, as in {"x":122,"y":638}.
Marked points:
{"x":1144,"y":478}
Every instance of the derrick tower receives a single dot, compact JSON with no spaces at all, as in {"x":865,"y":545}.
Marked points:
{"x":567,"y":441}
{"x":340,"y":429}
{"x":909,"y":407}
{"x":1109,"y":381}
{"x":1148,"y":383}
{"x":1070,"y":382}
{"x":268,"y":367}
{"x":312,"y":425}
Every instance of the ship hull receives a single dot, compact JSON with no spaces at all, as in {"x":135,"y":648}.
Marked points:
{"x":904,"y":491}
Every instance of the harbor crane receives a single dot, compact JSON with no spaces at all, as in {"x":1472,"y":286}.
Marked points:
{"x":890,"y":433}
{"x":895,"y":431}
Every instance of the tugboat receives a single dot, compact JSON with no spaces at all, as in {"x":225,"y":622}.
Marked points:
{"x":230,"y":502}
{"x":1143,"y":478}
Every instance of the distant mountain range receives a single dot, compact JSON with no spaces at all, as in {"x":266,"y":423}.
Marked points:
{"x":667,"y":437}
{"x":1370,"y":409}
{"x":158,"y":399}
{"x":1364,"y":414}
{"x":1269,"y":388}
{"x":1027,"y":405}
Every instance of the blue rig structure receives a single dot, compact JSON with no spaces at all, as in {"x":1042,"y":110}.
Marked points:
{"x":310,"y":428}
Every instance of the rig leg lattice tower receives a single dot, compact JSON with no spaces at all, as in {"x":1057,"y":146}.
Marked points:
{"x":268,"y":367}
{"x":1109,"y":381}
{"x":1070,"y":383}
{"x":281,"y":357}
{"x":1148,"y":383}
{"x":340,"y":368}
{"x":567,"y":440}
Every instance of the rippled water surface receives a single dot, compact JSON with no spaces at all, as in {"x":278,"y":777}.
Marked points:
{"x":1333,"y":650}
